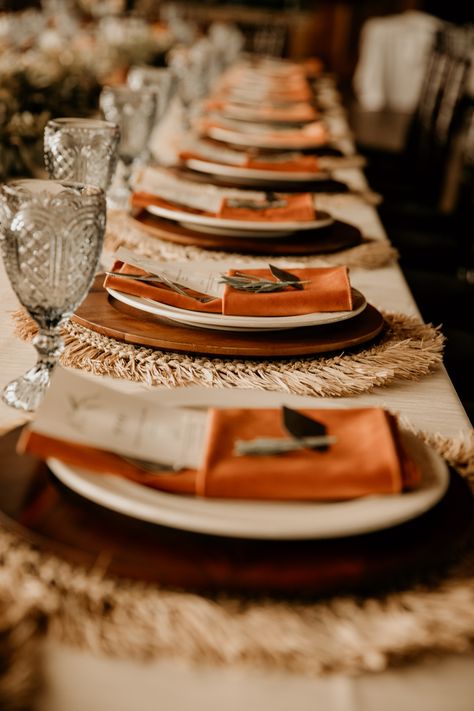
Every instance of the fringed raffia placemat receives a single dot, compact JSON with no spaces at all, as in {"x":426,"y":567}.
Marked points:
{"x":341,"y":634}
{"x":408,"y":350}
{"x":123,"y":231}
{"x":22,"y":625}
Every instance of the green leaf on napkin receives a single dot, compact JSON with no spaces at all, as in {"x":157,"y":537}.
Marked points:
{"x":302,"y":427}
{"x":282,"y":275}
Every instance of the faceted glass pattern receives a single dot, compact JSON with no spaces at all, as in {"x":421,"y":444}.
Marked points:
{"x":134,"y":112}
{"x":51,"y":237}
{"x":81,"y":150}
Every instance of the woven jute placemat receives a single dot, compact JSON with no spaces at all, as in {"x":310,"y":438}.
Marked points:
{"x":123,"y":231}
{"x":408,"y":350}
{"x":348,"y":634}
{"x":22,"y":625}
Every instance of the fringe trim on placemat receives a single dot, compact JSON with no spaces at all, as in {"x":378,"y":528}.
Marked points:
{"x":342,"y":634}
{"x":122,"y":231}
{"x":22,"y":624}
{"x":408,"y":350}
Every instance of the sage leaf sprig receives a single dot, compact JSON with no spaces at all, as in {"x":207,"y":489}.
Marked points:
{"x":271,"y":200}
{"x":283,"y":275}
{"x":305,"y":433}
{"x":262,"y":446}
{"x":261,"y":285}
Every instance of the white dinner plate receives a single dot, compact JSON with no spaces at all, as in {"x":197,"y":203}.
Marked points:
{"x":264,"y":520}
{"x":253,"y":175}
{"x":238,"y":228}
{"x":247,"y":113}
{"x":257,"y":139}
{"x":222,"y":322}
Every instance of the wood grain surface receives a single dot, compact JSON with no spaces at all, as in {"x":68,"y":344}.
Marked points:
{"x":338,"y":236}
{"x":104,"y":314}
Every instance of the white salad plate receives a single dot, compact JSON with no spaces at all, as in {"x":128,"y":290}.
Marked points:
{"x":253,"y":175}
{"x":264,"y":520}
{"x":221,"y":322}
{"x":258,"y":139}
{"x":238,"y":228}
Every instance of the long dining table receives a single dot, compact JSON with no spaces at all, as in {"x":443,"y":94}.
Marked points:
{"x":80,"y":680}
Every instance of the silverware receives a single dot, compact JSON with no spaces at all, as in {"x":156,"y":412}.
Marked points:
{"x":162,"y":279}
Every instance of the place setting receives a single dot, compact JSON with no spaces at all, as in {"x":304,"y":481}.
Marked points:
{"x":272,"y":113}
{"x":291,"y":169}
{"x":210,"y":216}
{"x":238,"y":483}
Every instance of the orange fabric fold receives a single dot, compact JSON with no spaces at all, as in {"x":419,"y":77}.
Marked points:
{"x":297,"y":112}
{"x":311,"y":134}
{"x":297,"y":208}
{"x":328,"y":290}
{"x":142,"y":200}
{"x":306,"y":164}
{"x":103,"y":462}
{"x":366,"y":459}
{"x":301,"y":163}
{"x":299,"y":92}
{"x":156,"y":291}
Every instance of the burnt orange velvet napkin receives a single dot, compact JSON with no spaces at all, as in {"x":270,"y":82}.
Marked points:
{"x":328,"y":290}
{"x":307,"y":164}
{"x":297,"y":164}
{"x":296,"y":208}
{"x":142,"y":199}
{"x":293,"y":112}
{"x":311,"y":135}
{"x":366,"y":459}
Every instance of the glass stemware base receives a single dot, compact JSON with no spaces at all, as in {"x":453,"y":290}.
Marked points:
{"x":26,"y":392}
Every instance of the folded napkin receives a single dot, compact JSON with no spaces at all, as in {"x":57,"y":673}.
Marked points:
{"x":312,"y":134}
{"x":328,"y":290}
{"x":294,"y":208}
{"x":309,"y":136}
{"x":290,"y":162}
{"x":159,"y":186}
{"x":295,"y":112}
{"x":367,"y":458}
{"x":140,"y":199}
{"x":296,"y":163}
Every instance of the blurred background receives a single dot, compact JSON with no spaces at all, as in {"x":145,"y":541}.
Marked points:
{"x":404,"y":68}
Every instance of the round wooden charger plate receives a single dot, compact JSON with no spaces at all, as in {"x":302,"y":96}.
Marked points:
{"x":104,"y":314}
{"x":39,"y":509}
{"x":340,"y":235}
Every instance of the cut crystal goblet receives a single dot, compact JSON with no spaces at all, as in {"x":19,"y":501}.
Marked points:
{"x":51,"y":234}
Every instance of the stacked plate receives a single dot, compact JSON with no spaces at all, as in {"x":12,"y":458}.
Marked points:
{"x":236,"y":228}
{"x":222,"y":322}
{"x":264,"y":520}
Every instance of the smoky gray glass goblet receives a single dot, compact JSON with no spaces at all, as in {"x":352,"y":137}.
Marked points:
{"x":133,"y":110}
{"x":81,"y":150}
{"x":51,"y":234}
